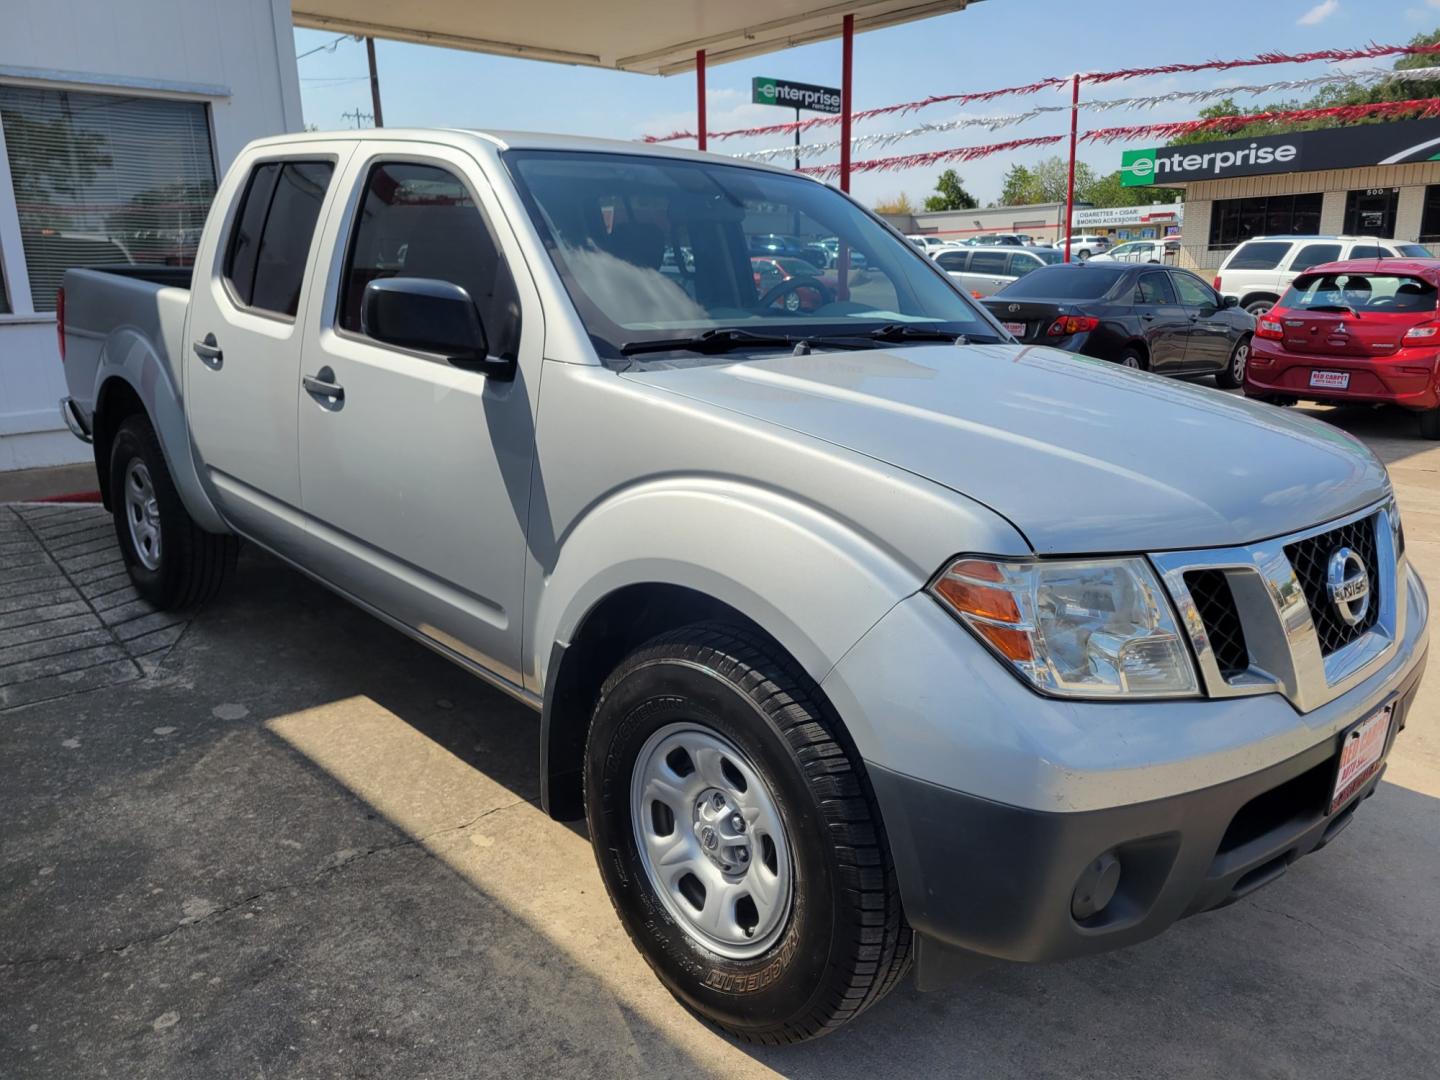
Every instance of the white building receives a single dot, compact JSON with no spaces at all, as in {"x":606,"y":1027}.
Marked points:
{"x":116,"y":122}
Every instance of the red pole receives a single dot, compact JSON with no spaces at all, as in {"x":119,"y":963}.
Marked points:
{"x":1070,"y":183}
{"x":847,"y":57}
{"x":700,"y":132}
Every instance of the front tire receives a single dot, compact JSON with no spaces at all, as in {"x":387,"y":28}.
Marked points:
{"x":1233,"y":377}
{"x":172,"y":562}
{"x":739,"y":839}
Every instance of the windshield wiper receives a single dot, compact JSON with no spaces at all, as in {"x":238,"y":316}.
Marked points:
{"x":1334,"y":307}
{"x":727,"y":339}
{"x":902,"y":332}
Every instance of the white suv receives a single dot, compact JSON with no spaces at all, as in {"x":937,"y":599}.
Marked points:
{"x":1258,"y":272}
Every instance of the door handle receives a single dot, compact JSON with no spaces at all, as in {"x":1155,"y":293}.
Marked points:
{"x":209,"y":353}
{"x":324,"y":389}
{"x":1148,"y":318}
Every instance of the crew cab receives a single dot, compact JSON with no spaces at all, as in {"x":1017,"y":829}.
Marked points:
{"x":861,"y":634}
{"x":1361,"y":331}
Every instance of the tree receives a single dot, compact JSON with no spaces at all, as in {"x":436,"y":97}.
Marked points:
{"x":1045,"y":182}
{"x":1108,"y":190}
{"x":950,"y":194}
{"x":895,"y":204}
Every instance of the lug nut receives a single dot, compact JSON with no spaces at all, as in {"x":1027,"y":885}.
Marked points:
{"x":742,"y":854}
{"x":718,"y":801}
{"x":737,"y":823}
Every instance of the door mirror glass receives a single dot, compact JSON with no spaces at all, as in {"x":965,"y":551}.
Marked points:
{"x":429,"y":316}
{"x":1229,"y":301}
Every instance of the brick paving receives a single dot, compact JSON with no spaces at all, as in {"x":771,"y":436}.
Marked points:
{"x":69,"y":618}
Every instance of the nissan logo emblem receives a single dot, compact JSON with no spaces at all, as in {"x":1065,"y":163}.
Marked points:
{"x":1348,"y":583}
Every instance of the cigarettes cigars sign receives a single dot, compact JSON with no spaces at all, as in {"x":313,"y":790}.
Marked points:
{"x":794,"y":95}
{"x":1330,"y":148}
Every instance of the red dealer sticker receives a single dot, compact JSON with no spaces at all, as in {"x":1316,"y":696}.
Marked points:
{"x":1360,"y":752}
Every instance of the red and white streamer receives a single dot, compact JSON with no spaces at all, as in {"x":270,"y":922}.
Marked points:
{"x":1333,"y":56}
{"x":932,"y":157}
{"x":889,"y":138}
{"x":1368,"y":77}
{"x":1383,"y":110}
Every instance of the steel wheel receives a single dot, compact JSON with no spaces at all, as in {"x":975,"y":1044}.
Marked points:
{"x":711,"y":840}
{"x":142,"y":514}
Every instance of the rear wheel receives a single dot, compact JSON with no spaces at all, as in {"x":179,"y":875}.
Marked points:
{"x":1430,"y":424}
{"x":172,"y":562}
{"x":1133,"y":358}
{"x":1233,"y":376}
{"x":1259,"y":305}
{"x":739,"y":839}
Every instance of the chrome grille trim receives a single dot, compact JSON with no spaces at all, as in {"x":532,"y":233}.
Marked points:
{"x":1280,"y":635}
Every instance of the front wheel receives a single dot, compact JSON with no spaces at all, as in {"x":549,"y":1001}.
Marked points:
{"x":172,"y":562}
{"x":1233,"y":377}
{"x":738,"y":837}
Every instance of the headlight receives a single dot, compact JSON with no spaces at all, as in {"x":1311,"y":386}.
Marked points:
{"x":1075,"y":628}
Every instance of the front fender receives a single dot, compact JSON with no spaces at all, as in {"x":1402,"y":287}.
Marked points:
{"x":128,"y":355}
{"x":813,"y":581}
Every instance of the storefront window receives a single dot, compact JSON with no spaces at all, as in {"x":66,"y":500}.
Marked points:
{"x":1371,"y":212}
{"x":1430,"y":216}
{"x":1234,"y":221}
{"x":104,"y":179}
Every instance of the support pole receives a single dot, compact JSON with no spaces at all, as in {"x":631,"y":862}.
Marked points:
{"x":374,"y":82}
{"x":1070,"y":183}
{"x":700,"y":97}
{"x":847,"y":57}
{"x":797,"y":138}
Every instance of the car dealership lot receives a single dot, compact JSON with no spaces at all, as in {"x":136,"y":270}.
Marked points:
{"x":280,"y":839}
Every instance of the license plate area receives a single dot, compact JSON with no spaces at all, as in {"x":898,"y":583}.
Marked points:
{"x":1016,"y":328}
{"x":1362,"y":747}
{"x":1330,"y":380}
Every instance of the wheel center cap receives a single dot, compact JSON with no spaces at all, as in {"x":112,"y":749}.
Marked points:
{"x":708,"y":838}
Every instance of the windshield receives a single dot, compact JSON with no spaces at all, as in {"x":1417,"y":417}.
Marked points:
{"x":1360,"y":292}
{"x":1077,"y":281}
{"x":607,"y":220}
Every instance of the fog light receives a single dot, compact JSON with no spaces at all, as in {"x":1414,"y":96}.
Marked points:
{"x":1096,"y":887}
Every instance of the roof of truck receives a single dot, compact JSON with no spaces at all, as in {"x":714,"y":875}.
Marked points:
{"x":508,"y":140}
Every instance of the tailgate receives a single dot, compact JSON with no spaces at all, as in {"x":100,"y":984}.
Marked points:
{"x":1325,"y":333}
{"x":1027,"y":319}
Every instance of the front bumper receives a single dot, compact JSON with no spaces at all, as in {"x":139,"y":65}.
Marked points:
{"x":981,"y":877}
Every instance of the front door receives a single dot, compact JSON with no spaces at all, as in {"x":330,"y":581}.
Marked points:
{"x":1163,"y":321}
{"x":1207,"y":347}
{"x":242,"y":363}
{"x":415,"y":474}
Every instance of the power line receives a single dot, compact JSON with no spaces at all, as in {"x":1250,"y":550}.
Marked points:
{"x":329,"y":46}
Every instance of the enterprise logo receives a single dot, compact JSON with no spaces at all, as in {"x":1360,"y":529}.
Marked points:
{"x":1141,"y":167}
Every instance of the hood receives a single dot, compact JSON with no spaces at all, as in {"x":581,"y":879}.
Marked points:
{"x":1080,"y":455}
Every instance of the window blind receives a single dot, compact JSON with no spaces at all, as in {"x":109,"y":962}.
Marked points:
{"x":105,"y":179}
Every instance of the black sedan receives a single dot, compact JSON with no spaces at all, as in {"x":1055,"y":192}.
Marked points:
{"x":1157,"y":318}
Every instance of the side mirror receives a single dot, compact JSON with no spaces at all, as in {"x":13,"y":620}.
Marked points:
{"x":430,"y":316}
{"x":1229,"y":301}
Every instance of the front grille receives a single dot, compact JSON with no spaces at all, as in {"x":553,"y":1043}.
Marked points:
{"x":1210,"y":589}
{"x":1311,"y":559}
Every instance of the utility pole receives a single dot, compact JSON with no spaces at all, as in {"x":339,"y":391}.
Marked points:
{"x":374,"y":82}
{"x":357,"y":116}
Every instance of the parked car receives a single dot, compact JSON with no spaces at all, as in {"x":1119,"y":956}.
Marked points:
{"x":998,"y":240}
{"x":1082,"y":247}
{"x":1155,"y":318}
{"x":1259,"y":271}
{"x":981,"y":271}
{"x":831,"y":247}
{"x":1357,"y":331}
{"x":860,"y":636}
{"x":790,"y":283}
{"x":1163,"y":251}
{"x":812,"y":252}
{"x":929,"y":244}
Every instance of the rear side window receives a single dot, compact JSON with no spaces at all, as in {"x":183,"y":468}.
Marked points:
{"x":1021,"y":264}
{"x":1413,"y":251}
{"x":1315,"y":254}
{"x":988,"y":262}
{"x":1258,"y":255}
{"x":1154,"y":289}
{"x":952,"y":260}
{"x":265,"y":263}
{"x":1366,"y":251}
{"x":419,"y":221}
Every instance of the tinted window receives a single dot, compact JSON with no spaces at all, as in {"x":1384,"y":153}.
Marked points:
{"x":952,"y":260}
{"x":988,"y":262}
{"x":1022,"y":264}
{"x":1258,"y":255}
{"x":1366,"y":251}
{"x":1313,"y":255}
{"x":1360,"y":292}
{"x":1193,"y":292}
{"x":419,"y":221}
{"x":1154,"y":289}
{"x":1413,"y":251}
{"x":1072,"y":282}
{"x":1235,"y":220}
{"x":265,"y":264}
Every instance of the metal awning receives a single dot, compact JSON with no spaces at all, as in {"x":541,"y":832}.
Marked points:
{"x":652,"y":38}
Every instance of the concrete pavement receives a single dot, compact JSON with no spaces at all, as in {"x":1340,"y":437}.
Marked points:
{"x":290,"y":842}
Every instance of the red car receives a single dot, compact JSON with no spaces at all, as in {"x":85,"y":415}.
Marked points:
{"x":1364,"y":330}
{"x":794,"y":284}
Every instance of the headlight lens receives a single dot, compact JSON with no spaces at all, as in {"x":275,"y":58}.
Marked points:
{"x":1075,"y":628}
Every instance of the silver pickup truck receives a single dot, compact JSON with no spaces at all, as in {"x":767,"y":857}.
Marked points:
{"x":862,"y":635}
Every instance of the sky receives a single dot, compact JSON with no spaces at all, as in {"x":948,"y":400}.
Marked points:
{"x":994,"y":43}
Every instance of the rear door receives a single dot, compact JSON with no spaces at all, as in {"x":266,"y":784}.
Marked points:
{"x":1212,"y":331}
{"x":987,"y":273}
{"x":1163,"y":322}
{"x":243,"y":361}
